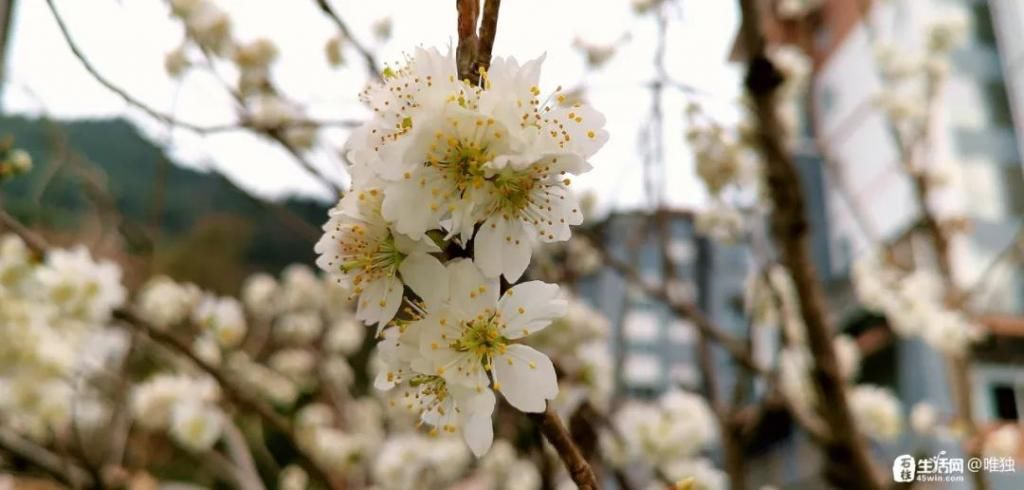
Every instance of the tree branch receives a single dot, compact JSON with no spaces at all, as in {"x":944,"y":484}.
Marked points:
{"x":466,"y":52}
{"x":850,"y":463}
{"x":234,"y":392}
{"x":43,"y":459}
{"x":554,"y":431}
{"x":683,"y":309}
{"x":488,"y":29}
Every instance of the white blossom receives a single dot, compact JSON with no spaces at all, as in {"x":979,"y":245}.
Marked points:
{"x":259,"y":295}
{"x":79,"y":286}
{"x":877,"y":412}
{"x":299,"y":327}
{"x":223,"y":318}
{"x":412,"y":461}
{"x":176,"y":62}
{"x":361,"y":251}
{"x":453,"y":156}
{"x":471,"y":341}
{"x":293,"y":477}
{"x":196,"y":425}
{"x":344,"y":337}
{"x":153,"y":401}
{"x":721,"y":222}
{"x":165,"y":303}
{"x":924,"y":417}
{"x":702,"y":474}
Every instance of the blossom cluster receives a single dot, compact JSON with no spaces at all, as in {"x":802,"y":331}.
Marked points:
{"x":14,"y":162}
{"x":729,"y":167}
{"x":914,"y":303}
{"x":54,"y":315}
{"x":910,"y":73}
{"x":453,"y":184}
{"x":665,"y":437}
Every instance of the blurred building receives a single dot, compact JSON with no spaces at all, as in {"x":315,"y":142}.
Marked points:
{"x":850,"y":164}
{"x":654,"y":350}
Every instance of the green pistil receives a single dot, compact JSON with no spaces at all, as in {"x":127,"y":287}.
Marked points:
{"x":513,"y":190}
{"x":386,"y":257}
{"x":482,"y":338}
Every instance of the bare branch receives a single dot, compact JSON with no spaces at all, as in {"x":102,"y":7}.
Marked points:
{"x":556,"y":434}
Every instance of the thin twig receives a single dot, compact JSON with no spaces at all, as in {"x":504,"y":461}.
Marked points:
{"x":371,"y":63}
{"x":248,"y":477}
{"x":159,"y":115}
{"x":41,"y":458}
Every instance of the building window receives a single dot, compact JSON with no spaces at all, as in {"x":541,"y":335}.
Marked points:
{"x":681,"y":332}
{"x":998,"y":103}
{"x":642,"y":370}
{"x":1004,"y":401}
{"x":828,"y":99}
{"x":641,"y":326}
{"x":984,"y":32}
{"x":1012,"y":177}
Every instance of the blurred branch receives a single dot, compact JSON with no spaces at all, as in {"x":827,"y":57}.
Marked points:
{"x":1014,"y":248}
{"x":850,"y":462}
{"x":275,"y":133}
{"x":554,"y":431}
{"x":371,"y":63}
{"x":233,"y":390}
{"x":683,"y":309}
{"x":247,"y":475}
{"x":154,"y":113}
{"x":32,"y":240}
{"x":44,"y":460}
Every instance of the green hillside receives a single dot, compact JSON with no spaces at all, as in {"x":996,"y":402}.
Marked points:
{"x":164,"y":209}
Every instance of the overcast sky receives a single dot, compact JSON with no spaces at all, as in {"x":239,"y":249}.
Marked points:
{"x":127,"y":40}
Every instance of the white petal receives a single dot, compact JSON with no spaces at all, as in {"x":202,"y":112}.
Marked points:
{"x":379,"y":301}
{"x":471,"y":292}
{"x":503,"y":247}
{"x":529,"y":307}
{"x":477,"y":407}
{"x":526,"y":378}
{"x":426,"y":276}
{"x":411,"y":207}
{"x":479,"y":433}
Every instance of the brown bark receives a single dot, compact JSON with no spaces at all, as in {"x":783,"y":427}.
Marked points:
{"x":554,"y":431}
{"x":849,"y":463}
